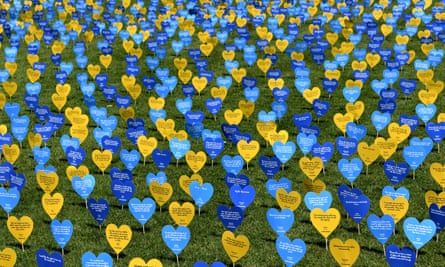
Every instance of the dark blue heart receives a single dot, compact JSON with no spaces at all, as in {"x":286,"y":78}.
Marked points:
{"x":411,"y":121}
{"x":135,"y":123}
{"x":99,"y":209}
{"x":111,"y":143}
{"x":344,"y":192}
{"x":121,"y":175}
{"x":395,"y":172}
{"x":32,"y":101}
{"x":269,"y":165}
{"x":436,"y":131}
{"x":44,"y":259}
{"x":161,"y":158}
{"x":213,"y":146}
{"x":233,"y":179}
{"x":356,"y":206}
{"x":346,"y":146}
{"x":320,"y":107}
{"x":231,"y":218}
{"x":438,"y":216}
{"x":123,"y":190}
{"x":123,"y":101}
{"x":405,"y":257}
{"x":75,"y":156}
{"x":134,"y":133}
{"x":301,"y":120}
{"x":229,"y":130}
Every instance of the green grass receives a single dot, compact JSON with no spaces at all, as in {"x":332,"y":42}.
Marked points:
{"x":206,"y":230}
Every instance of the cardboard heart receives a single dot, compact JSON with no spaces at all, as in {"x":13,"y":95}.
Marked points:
{"x":325,"y":222}
{"x":139,"y":262}
{"x":165,"y":126}
{"x":102,"y":159}
{"x":397,"y":208}
{"x":160,"y":193}
{"x":11,"y":152}
{"x":8,"y":257}
{"x":118,"y":237}
{"x":52,"y":205}
{"x":10,"y":88}
{"x":387,"y":147}
{"x":356,"y":109}
{"x":34,"y":140}
{"x":345,"y":253}
{"x":47,"y":181}
{"x":311,"y":167}
{"x":20,"y":228}
{"x":219,"y":92}
{"x":432,"y":197}
{"x":368,"y":153}
{"x":266,"y":128}
{"x":80,"y":171}
{"x":46,"y":259}
{"x":437,"y":171}
{"x":195,"y":161}
{"x":322,"y":200}
{"x":248,"y":150}
{"x":341,"y":120}
{"x":311,"y":94}
{"x":316,"y":186}
{"x":235,"y":247}
{"x":233,"y":116}
{"x":247,"y":107}
{"x":79,"y":131}
{"x":399,"y":133}
{"x":185,"y":181}
{"x":62,"y":231}
{"x":182,"y":214}
{"x":288,"y":200}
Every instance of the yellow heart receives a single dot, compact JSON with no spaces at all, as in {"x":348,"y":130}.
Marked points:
{"x":127,"y":45}
{"x":282,"y":44}
{"x":80,"y":120}
{"x":386,"y":29}
{"x":195,"y":161}
{"x":311,"y":167}
{"x":105,"y":60}
{"x":135,"y":91}
{"x":347,"y":47}
{"x":247,"y":107}
{"x":287,"y":200}
{"x":398,"y":133}
{"x":235,"y":247}
{"x":397,"y":208}
{"x":325,"y":222}
{"x":58,"y":100}
{"x":199,"y":83}
{"x":352,"y":83}
{"x":8,"y":257}
{"x":261,"y":32}
{"x":202,"y":36}
{"x":47,"y":181}
{"x":238,"y":74}
{"x":34,"y":140}
{"x":387,"y":147}
{"x":161,"y":193}
{"x":228,"y":55}
{"x":32,"y":59}
{"x":218,"y":92}
{"x":264,"y":64}
{"x":52,"y":205}
{"x":266,"y":128}
{"x":206,"y":49}
{"x":185,"y":75}
{"x":345,"y":253}
{"x":57,"y":47}
{"x":128,"y":81}
{"x":164,"y":127}
{"x":102,"y":159}
{"x":33,"y":75}
{"x":181,"y":135}
{"x":248,"y":150}
{"x":11,"y":152}
{"x":368,"y":154}
{"x":10,"y":88}
{"x":311,"y":94}
{"x":332,"y":37}
{"x":281,"y":136}
{"x":425,"y":75}
{"x":182,"y":214}
{"x":21,"y":228}
{"x":63,"y":89}
{"x":356,"y":109}
{"x":139,"y":262}
{"x":402,"y":39}
{"x":2,"y":100}
{"x":426,"y":48}
{"x":341,"y":120}
{"x":436,"y":86}
{"x":80,"y":171}
{"x":312,"y":10}
{"x":441,"y":117}
{"x":372,"y":59}
{"x":427,"y":97}
{"x":127,"y":113}
{"x":377,"y":13}
{"x":185,"y":181}
{"x":3,"y":129}
{"x":118,"y":237}
{"x":233,"y":116}
{"x":432,"y":197}
{"x":437,"y":171}
{"x":70,"y":113}
{"x":79,"y":131}
{"x":332,"y":74}
{"x":280,"y":18}
{"x":275,"y":83}
{"x":11,"y":67}
{"x":359,"y":65}
{"x":297,"y":56}
{"x":180,"y":63}
{"x":412,"y":56}
{"x":156,"y":103}
{"x":146,"y":145}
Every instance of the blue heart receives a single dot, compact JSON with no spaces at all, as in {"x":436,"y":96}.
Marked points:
{"x":229,"y":130}
{"x":391,"y":192}
{"x":194,"y":130}
{"x":436,"y":131}
{"x":380,"y":120}
{"x":9,"y":198}
{"x":176,"y":239}
{"x":204,"y":264}
{"x":425,"y":112}
{"x":103,"y":259}
{"x":280,"y":221}
{"x":242,"y":197}
{"x":251,"y":93}
{"x":122,"y":190}
{"x":356,"y":131}
{"x":357,"y":206}
{"x":344,"y":192}
{"x":323,"y":200}
{"x":438,"y":216}
{"x":381,"y":228}
{"x":232,"y":164}
{"x":75,"y":156}
{"x":179,"y":147}
{"x":351,"y":94}
{"x":405,"y":257}
{"x":407,"y":86}
{"x":161,"y":158}
{"x":41,"y":155}
{"x":269,"y":165}
{"x":184,"y":105}
{"x":62,"y":231}
{"x":267,"y":116}
{"x":302,"y":120}
{"x":143,"y":210}
{"x":419,"y":233}
{"x":233,"y":179}
{"x":83,"y":186}
{"x":130,"y":158}
{"x":134,"y":133}
{"x":305,"y":142}
{"x":273,"y":185}
{"x":213,"y":146}
{"x":44,"y":259}
{"x":395,"y":172}
{"x":111,"y":143}
{"x":231,"y":218}
{"x":206,"y":133}
{"x":346,"y":146}
{"x":201,"y":193}
{"x":11,"y":109}
{"x":350,"y":169}
{"x":67,"y":141}
{"x":320,"y":107}
{"x":414,"y":156}
{"x":284,"y":152}
{"x":160,"y":177}
{"x":291,"y":252}
{"x":45,"y":130}
{"x":213,"y":105}
{"x":16,"y":180}
{"x":121,"y":175}
{"x":33,"y":88}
